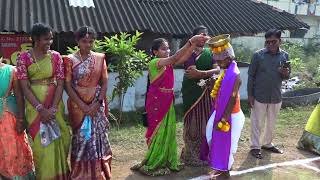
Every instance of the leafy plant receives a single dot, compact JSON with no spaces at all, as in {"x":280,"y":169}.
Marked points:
{"x":129,"y":62}
{"x":296,"y":56}
{"x":72,"y":50}
{"x":242,"y":53}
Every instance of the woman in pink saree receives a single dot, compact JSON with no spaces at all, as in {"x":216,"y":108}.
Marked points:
{"x":161,"y":157}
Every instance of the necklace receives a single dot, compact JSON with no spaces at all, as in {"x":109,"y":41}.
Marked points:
{"x":217,"y":85}
{"x":35,"y":60}
{"x":80,"y":57}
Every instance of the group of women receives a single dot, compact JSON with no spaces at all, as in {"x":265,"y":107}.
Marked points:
{"x":31,"y":97}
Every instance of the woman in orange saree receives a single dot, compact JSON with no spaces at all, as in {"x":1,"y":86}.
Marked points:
{"x":16,"y":156}
{"x":86,"y":85}
{"x":41,"y":75}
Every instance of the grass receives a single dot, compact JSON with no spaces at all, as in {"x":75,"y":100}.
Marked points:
{"x":129,"y":146}
{"x":131,"y":132}
{"x":292,"y":119}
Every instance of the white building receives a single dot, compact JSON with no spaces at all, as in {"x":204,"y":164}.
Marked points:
{"x":307,"y":11}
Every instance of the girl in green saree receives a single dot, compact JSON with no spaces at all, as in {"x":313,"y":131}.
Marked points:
{"x":41,"y":75}
{"x":161,"y":157}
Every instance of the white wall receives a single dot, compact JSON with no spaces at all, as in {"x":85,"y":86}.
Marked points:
{"x":135,"y":96}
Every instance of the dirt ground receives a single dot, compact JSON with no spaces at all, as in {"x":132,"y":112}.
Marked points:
{"x":128,"y":152}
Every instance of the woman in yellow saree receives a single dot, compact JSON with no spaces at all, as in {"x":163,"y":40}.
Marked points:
{"x":41,"y":75}
{"x":310,"y":139}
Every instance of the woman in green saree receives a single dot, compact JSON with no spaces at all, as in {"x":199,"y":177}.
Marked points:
{"x":161,"y":157}
{"x":41,"y":75}
{"x":197,"y":102}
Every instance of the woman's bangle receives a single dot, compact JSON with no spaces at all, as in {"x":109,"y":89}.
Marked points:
{"x":205,"y":73}
{"x":39,"y":107}
{"x":54,"y":109}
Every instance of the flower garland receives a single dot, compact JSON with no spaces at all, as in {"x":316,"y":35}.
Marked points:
{"x":223,"y":126}
{"x":220,"y":49}
{"x":217,"y":85}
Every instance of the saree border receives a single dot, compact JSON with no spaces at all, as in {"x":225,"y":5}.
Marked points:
{"x":10,"y":82}
{"x":157,"y":128}
{"x":35,"y":125}
{"x":196,"y":103}
{"x":160,"y":73}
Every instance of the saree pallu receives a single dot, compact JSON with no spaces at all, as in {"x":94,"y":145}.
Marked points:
{"x":220,"y":150}
{"x":310,"y":139}
{"x":16,"y":156}
{"x":90,"y":159}
{"x":51,"y":161}
{"x":197,"y":104}
{"x":161,"y":157}
{"x":237,"y":125}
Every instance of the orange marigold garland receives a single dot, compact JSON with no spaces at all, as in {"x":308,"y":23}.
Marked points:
{"x":222,"y":125}
{"x":217,"y":85}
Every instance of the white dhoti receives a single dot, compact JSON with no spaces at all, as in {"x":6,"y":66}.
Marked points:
{"x":236,"y":128}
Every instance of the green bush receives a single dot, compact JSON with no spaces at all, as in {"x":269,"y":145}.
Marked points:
{"x":305,"y":61}
{"x":242,"y":53}
{"x":296,"y":56}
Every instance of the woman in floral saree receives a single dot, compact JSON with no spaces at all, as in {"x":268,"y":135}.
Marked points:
{"x":86,"y":85}
{"x":16,"y":156}
{"x":41,"y":75}
{"x":161,"y":157}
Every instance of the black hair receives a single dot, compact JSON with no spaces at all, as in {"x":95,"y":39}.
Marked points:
{"x":83,"y":31}
{"x":38,"y":30}
{"x":156,"y":44}
{"x":2,"y":59}
{"x":273,"y":32}
{"x":198,"y":29}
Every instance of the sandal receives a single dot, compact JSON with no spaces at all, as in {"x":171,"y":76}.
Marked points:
{"x":273,"y":149}
{"x":256,"y":153}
